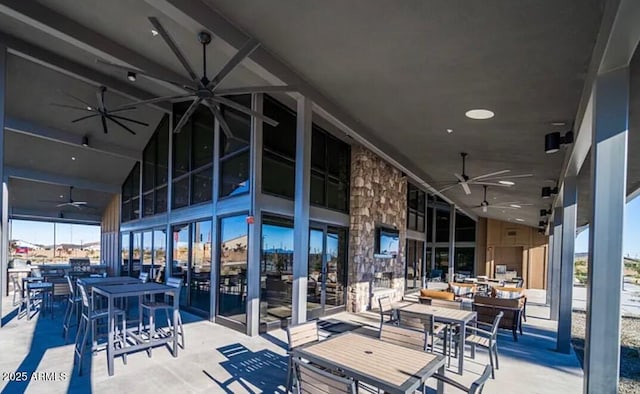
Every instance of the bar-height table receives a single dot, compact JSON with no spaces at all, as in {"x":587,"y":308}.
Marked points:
{"x":111,"y":292}
{"x":88,"y":282}
{"x":444,"y":315}
{"x":392,"y":368}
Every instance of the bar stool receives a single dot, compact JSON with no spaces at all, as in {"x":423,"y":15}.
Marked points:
{"x":74,"y":303}
{"x":152,"y":306}
{"x":91,"y":316}
{"x":42,"y":291}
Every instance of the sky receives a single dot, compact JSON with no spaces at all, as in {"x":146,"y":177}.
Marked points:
{"x":631,"y":244}
{"x":42,"y":232}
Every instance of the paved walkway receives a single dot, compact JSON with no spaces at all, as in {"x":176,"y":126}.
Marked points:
{"x":220,"y":360}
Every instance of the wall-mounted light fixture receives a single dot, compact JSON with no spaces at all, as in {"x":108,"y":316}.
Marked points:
{"x":547,"y":191}
{"x":131,"y":76}
{"x":85,"y":141}
{"x":552,"y":141}
{"x":545,"y":212}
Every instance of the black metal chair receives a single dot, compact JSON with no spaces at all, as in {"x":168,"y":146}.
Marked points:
{"x":152,"y":306}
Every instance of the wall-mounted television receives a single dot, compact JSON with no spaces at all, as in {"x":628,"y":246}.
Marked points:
{"x":387,"y":242}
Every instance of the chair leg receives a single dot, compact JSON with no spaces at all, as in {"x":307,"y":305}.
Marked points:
{"x":152,"y":328}
{"x":493,"y":376}
{"x":83,"y":348}
{"x":289,"y":376}
{"x":123,"y":338}
{"x":495,"y":352}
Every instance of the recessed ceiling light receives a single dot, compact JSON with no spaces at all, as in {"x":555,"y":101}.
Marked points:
{"x":449,"y":131}
{"x":506,"y":183}
{"x":89,"y":108}
{"x":558,"y":123}
{"x":479,"y":114}
{"x":61,"y":196}
{"x":154,"y":32}
{"x":515,"y":206}
{"x":519,"y":220}
{"x":73,"y":157}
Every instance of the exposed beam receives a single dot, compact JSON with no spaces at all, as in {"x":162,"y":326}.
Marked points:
{"x":56,"y":179}
{"x":276,"y":72}
{"x":65,"y":137}
{"x":68,"y":30}
{"x":53,"y":61}
{"x":616,"y":43}
{"x":54,"y":216}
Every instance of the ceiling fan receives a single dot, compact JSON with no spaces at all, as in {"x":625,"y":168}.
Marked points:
{"x":490,"y":179}
{"x":70,"y":203}
{"x":102,"y":111}
{"x":203,"y":90}
{"x":484,"y":205}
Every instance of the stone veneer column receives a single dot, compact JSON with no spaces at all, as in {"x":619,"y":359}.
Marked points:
{"x":378,"y":196}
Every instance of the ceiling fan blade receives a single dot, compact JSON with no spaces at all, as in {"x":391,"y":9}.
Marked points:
{"x":85,"y":109}
{"x":254,"y":89}
{"x":512,"y":176}
{"x":490,"y":175}
{"x":221,"y":121}
{"x":491,"y":184}
{"x":111,"y":112}
{"x":100,"y":97}
{"x":185,"y":117}
{"x":135,"y":104}
{"x":460,"y":177}
{"x":78,"y":99}
{"x":245,"y":51}
{"x":245,"y":110}
{"x":174,"y":48}
{"x":119,"y":124}
{"x":129,"y":120}
{"x":501,"y":207}
{"x":64,"y":204}
{"x":466,"y":188}
{"x":84,"y":117}
{"x":447,"y":188}
{"x":50,"y":201}
{"x":105,"y":128}
{"x":144,"y":74}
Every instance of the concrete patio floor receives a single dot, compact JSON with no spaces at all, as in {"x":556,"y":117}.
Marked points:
{"x":220,"y":360}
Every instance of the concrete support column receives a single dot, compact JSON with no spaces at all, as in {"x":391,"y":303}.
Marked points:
{"x":301,"y":212}
{"x":608,"y":191}
{"x":555,"y":263}
{"x":549,"y":262}
{"x":452,"y":242}
{"x":254,"y":243}
{"x":569,"y":213}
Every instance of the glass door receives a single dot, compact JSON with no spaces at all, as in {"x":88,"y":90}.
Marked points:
{"x":232,"y":278}
{"x":180,"y":259}
{"x":327,"y":270}
{"x":200,"y":267}
{"x":414,"y":264}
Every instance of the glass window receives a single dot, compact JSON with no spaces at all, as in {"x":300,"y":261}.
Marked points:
{"x":202,"y":138}
{"x":161,"y":199}
{"x":136,"y":248}
{"x":465,"y":228}
{"x":149,"y":164}
{"x":232,"y":298}
{"x":181,"y":152}
{"x":464,"y":262}
{"x":336,"y":255}
{"x":154,"y":169}
{"x":181,"y":193}
{"x":130,"y":193}
{"x":442,"y":260}
{"x":415,"y":208}
{"x":147,"y":204}
{"x":278,"y":176}
{"x":201,"y":185}
{"x":147,"y":253}
{"x":180,"y":259}
{"x":276,"y":269}
{"x":126,"y":256}
{"x":162,"y":166}
{"x":330,"y":162}
{"x":280,"y":139}
{"x":234,"y":173}
{"x":442,"y":225}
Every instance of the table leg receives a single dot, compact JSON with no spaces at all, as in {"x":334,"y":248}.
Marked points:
{"x":28,"y":304}
{"x":473,"y":346}
{"x":441,"y":371}
{"x":175,"y":325}
{"x":463,"y":334}
{"x":111,"y":333}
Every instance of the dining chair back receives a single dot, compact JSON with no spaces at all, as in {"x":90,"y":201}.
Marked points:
{"x":313,"y":380}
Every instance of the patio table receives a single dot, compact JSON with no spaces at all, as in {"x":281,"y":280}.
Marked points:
{"x":111,"y":292}
{"x":89,"y":282}
{"x":444,"y":315}
{"x":386,"y":366}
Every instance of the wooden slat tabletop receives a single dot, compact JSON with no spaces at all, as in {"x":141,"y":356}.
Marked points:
{"x":440,"y":313}
{"x":393,"y":368}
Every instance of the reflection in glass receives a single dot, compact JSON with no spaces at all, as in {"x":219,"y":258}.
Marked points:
{"x":137,"y":255}
{"x":159,"y":255}
{"x":315,"y":279}
{"x":125,"y":259}
{"x":442,"y":225}
{"x":200,"y":272}
{"x":413,"y":268}
{"x":276,"y":270}
{"x":336,"y":249}
{"x":180,"y":258}
{"x":147,"y":254}
{"x":232,"y":286}
{"x":464,"y":261}
{"x":235,"y":175}
{"x":442,"y":261}
{"x":201,"y":186}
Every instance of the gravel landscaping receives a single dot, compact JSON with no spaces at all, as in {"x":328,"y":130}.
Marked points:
{"x":629,"y":355}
